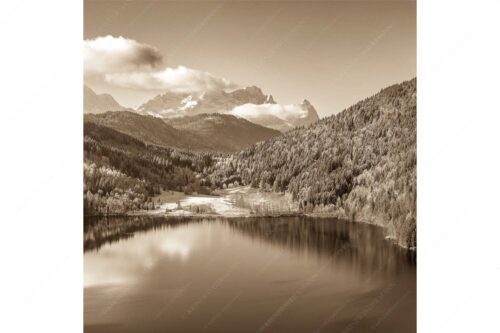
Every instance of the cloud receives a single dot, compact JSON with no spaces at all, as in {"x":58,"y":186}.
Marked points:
{"x":285,"y":112}
{"x":118,"y":54}
{"x":179,"y":80}
{"x":127,"y":63}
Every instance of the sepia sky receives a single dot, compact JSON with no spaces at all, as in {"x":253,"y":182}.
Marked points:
{"x":332,"y":53}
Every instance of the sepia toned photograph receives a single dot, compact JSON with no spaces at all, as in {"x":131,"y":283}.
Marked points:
{"x":249,"y":166}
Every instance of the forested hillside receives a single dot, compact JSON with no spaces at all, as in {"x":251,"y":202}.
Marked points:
{"x":122,"y":173}
{"x":205,"y":132}
{"x":359,"y":164}
{"x":148,"y":129}
{"x":223,"y":132}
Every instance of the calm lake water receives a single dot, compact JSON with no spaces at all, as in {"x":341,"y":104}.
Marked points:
{"x":245,"y":275}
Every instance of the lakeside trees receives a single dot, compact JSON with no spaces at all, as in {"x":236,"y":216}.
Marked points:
{"x":359,"y":164}
{"x":122,"y":173}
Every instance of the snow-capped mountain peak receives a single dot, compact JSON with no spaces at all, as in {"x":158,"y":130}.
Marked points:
{"x":188,"y":103}
{"x":249,"y":103}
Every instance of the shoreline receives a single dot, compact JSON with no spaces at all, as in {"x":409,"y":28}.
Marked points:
{"x":238,"y":202}
{"x":393,"y":240}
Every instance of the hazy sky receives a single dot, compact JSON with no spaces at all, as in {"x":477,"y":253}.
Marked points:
{"x":333,"y":53}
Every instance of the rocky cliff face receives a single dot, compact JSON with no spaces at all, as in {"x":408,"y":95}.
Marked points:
{"x":249,"y":103}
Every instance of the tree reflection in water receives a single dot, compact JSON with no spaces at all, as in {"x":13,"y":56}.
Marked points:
{"x":360,"y":245}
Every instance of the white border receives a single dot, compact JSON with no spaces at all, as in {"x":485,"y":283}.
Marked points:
{"x":457,"y":109}
{"x":41,"y":166}
{"x":41,"y":178}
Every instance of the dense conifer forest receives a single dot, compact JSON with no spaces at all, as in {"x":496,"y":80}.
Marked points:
{"x":359,"y":164}
{"x":122,"y":173}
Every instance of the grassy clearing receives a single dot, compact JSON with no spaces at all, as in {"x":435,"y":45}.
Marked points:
{"x":168,"y":197}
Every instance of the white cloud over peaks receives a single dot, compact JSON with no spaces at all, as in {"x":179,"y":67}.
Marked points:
{"x":118,"y":54}
{"x":284,"y":112}
{"x":179,"y":80}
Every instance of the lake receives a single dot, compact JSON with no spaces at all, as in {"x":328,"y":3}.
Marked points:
{"x":288,"y":274}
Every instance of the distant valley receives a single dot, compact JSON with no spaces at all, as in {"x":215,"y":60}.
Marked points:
{"x":359,"y":164}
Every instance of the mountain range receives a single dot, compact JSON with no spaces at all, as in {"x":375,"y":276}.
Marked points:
{"x":249,"y":103}
{"x":359,"y":164}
